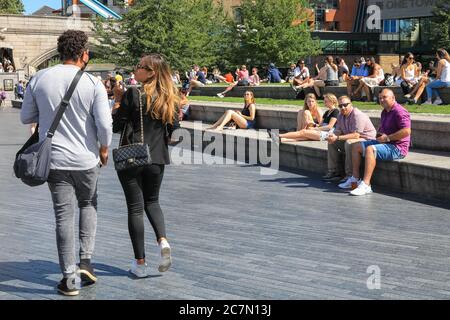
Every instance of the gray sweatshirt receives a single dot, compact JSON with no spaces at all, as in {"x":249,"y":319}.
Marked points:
{"x":86,"y":123}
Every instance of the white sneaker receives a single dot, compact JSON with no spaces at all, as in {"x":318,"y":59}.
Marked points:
{"x":437,"y":102}
{"x":361,"y":190}
{"x":166,"y":260}
{"x":428,"y":102}
{"x":408,"y":96}
{"x":139,"y":270}
{"x":220,"y":95}
{"x":348,"y":183}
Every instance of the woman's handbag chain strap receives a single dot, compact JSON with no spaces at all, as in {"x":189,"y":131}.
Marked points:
{"x":142,"y":123}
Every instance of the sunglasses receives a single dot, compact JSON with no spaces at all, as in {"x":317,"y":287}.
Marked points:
{"x":410,"y":58}
{"x":343,"y":105}
{"x":140,"y":66}
{"x":248,"y":94}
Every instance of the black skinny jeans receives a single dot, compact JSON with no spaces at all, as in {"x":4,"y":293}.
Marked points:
{"x":141,"y":187}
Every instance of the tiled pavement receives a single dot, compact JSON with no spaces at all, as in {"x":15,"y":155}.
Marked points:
{"x":235,"y":235}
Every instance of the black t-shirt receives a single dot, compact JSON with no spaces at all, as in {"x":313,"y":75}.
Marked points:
{"x":330,"y":114}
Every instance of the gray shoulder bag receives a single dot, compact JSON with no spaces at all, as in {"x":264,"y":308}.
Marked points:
{"x":32,"y":162}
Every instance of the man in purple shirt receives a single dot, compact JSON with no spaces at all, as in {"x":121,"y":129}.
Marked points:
{"x":392,"y":143}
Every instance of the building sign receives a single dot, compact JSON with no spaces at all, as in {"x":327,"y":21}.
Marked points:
{"x":399,"y":9}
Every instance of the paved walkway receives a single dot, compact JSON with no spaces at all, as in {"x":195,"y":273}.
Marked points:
{"x":235,"y":235}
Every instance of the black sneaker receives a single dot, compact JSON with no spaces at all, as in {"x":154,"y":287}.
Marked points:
{"x":87,"y":274}
{"x":331,"y":176}
{"x":63,"y":287}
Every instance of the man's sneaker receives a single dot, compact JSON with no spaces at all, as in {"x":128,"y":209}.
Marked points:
{"x":408,"y":96}
{"x":139,"y":270}
{"x":220,"y":95}
{"x":166,"y":260}
{"x":86,"y":272}
{"x":348,"y":183}
{"x":361,"y":190}
{"x":68,"y":287}
{"x":438,"y":102}
{"x":428,"y":102}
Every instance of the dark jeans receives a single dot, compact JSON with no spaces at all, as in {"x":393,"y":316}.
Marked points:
{"x":141,"y":187}
{"x":64,"y":186}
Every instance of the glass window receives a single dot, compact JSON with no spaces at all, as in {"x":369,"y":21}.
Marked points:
{"x":390,"y":26}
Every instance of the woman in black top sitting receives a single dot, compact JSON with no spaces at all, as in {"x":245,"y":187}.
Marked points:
{"x":158,"y":98}
{"x":320,"y":131}
{"x":245,"y":119}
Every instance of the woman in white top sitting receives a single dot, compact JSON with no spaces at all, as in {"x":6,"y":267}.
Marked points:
{"x":442,"y":77}
{"x":422,"y":81}
{"x":409,"y":73}
{"x":373,"y":80}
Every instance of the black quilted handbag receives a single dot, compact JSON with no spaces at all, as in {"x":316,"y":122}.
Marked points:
{"x":132,"y":155}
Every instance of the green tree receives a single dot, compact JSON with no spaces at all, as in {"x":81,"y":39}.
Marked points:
{"x":440,"y":26}
{"x":11,"y":7}
{"x":185,"y":31}
{"x":273,"y":31}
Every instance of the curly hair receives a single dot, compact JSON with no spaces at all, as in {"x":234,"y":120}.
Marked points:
{"x":72,"y":44}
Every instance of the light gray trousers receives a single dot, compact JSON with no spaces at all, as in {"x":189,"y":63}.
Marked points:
{"x":66,"y":186}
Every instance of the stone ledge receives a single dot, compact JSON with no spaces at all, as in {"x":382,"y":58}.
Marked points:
{"x":426,"y":174}
{"x":286,"y":92}
{"x":429,"y":132}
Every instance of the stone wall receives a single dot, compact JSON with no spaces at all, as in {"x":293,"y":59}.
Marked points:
{"x":33,"y":38}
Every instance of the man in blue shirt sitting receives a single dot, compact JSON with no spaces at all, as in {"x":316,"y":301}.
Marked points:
{"x":199,"y":80}
{"x":273,"y":74}
{"x":359,"y":70}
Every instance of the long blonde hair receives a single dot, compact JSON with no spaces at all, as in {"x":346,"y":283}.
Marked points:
{"x":251,"y":100}
{"x":310,"y":95}
{"x":162,"y":88}
{"x":332,"y":98}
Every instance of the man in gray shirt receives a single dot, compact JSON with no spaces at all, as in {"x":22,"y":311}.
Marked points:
{"x":352,"y":126}
{"x":79,"y":145}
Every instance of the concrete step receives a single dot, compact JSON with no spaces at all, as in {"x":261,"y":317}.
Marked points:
{"x":422,"y":173}
{"x":286,"y":92}
{"x":429,"y":132}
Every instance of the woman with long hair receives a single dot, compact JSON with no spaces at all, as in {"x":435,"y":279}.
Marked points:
{"x":313,"y":131}
{"x":409,"y":73}
{"x":158,"y":99}
{"x":245,"y":119}
{"x":442,"y":77}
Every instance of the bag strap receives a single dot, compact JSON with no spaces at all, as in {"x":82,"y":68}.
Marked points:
{"x":64,"y":103}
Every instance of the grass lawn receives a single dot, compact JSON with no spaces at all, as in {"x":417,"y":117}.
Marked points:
{"x":360,"y":105}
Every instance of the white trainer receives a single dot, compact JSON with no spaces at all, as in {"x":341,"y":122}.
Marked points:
{"x":437,"y":102}
{"x":361,"y":190}
{"x":428,"y":102}
{"x":166,"y":260}
{"x":408,"y":96}
{"x":139,"y":270}
{"x":348,"y":183}
{"x":220,"y":95}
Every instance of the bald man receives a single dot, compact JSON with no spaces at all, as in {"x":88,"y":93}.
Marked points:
{"x":392,"y":143}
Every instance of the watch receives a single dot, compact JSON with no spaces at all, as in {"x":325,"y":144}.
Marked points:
{"x":387,"y":139}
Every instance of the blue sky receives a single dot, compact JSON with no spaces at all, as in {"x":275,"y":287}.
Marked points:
{"x":33,"y":5}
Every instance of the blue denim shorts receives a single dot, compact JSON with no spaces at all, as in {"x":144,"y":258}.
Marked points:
{"x":251,"y":124}
{"x":383,"y":151}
